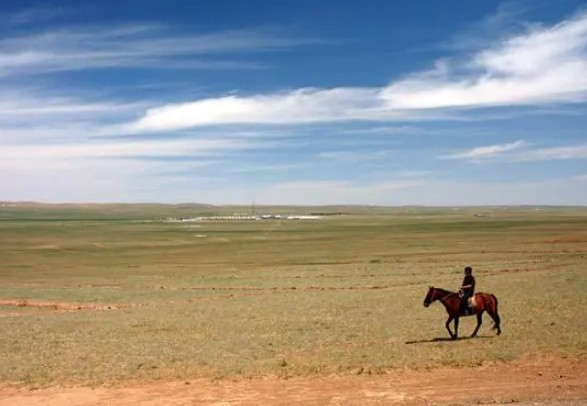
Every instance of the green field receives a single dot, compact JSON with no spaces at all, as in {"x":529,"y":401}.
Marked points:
{"x":250,"y":298}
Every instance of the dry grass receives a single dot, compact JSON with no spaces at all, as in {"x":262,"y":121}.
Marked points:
{"x":343,"y":294}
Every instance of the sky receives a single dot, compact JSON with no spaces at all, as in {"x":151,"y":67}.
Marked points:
{"x":297,"y":102}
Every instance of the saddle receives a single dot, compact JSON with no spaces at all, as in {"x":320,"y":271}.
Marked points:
{"x":469,"y":309}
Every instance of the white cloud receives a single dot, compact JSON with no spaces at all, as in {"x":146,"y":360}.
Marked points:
{"x":28,"y":114}
{"x":552,"y":153}
{"x":383,"y":130}
{"x":300,"y":106}
{"x":36,"y":15}
{"x":355,"y":157}
{"x":20,"y":107}
{"x":134,"y":46}
{"x":488,"y":151}
{"x":56,"y":133}
{"x":122,"y":149}
{"x":55,"y":147}
{"x":545,"y":65}
{"x":103,"y":171}
{"x":265,"y":168}
{"x":506,"y":18}
{"x":511,"y":153}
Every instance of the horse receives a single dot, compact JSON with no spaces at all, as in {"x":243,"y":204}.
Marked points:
{"x":480,"y":302}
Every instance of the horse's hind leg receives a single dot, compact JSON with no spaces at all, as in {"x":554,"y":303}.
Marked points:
{"x":496,"y":321}
{"x":495,"y":316}
{"x":453,"y":336}
{"x":479,"y":322}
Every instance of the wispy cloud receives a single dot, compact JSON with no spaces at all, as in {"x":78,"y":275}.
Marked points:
{"x":139,"y":46}
{"x":552,"y":153}
{"x":121,"y":149}
{"x":82,"y":144}
{"x":33,"y":115}
{"x":28,"y":106}
{"x":247,"y":168}
{"x":300,"y":106}
{"x":357,"y":156}
{"x":517,"y":152}
{"x":101,"y":170}
{"x":382,"y":130}
{"x":35,"y":15}
{"x":507,"y":19}
{"x":544,"y":65}
{"x":488,"y":151}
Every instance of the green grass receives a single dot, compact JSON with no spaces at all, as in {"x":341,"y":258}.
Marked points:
{"x":224,"y":299}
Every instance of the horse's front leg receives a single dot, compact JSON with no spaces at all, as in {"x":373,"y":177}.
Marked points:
{"x":456,"y":328}
{"x":450,"y":318}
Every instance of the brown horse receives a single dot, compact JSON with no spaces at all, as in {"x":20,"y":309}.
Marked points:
{"x":480,"y":302}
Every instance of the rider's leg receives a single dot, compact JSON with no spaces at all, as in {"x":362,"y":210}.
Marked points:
{"x":464,"y":303}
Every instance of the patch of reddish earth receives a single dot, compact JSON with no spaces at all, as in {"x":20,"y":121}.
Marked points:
{"x":58,"y":305}
{"x":547,"y":382}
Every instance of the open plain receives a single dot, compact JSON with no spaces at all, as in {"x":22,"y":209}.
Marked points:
{"x":103,"y":304}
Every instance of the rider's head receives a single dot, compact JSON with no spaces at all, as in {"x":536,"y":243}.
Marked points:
{"x":468,"y":270}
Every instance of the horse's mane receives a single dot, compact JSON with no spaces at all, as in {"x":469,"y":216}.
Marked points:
{"x":445,"y":292}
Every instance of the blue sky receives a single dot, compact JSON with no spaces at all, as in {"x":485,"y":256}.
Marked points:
{"x":294,"y":102}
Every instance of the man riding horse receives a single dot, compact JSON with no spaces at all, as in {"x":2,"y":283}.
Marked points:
{"x":467,"y":290}
{"x":456,"y":304}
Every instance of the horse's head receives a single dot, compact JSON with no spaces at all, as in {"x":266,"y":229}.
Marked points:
{"x":430,"y":296}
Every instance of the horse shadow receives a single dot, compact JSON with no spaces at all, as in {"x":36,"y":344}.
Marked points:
{"x":443,"y":339}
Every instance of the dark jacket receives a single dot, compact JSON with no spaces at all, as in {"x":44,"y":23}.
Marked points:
{"x":469,"y":280}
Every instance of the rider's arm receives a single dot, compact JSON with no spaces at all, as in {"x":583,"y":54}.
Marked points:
{"x":468,"y":283}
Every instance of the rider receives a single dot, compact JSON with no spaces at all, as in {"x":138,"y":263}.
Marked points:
{"x":467,"y":288}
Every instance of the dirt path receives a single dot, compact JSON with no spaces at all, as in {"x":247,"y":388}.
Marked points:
{"x":552,"y":382}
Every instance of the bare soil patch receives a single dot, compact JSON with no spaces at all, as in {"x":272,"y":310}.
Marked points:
{"x":552,"y":381}
{"x":568,"y":238}
{"x":58,"y":305}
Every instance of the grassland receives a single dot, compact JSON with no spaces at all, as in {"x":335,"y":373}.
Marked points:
{"x":101,"y":293}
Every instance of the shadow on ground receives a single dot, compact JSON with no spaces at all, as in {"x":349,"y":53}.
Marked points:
{"x":441,"y":339}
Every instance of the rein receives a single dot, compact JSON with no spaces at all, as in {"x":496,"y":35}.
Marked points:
{"x":442,"y":299}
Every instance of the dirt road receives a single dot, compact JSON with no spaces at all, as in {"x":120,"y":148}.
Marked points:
{"x":549,"y":381}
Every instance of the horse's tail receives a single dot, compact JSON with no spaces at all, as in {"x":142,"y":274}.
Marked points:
{"x":496,"y":318}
